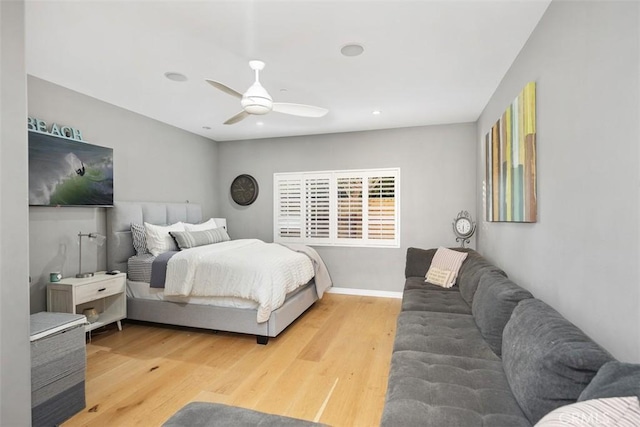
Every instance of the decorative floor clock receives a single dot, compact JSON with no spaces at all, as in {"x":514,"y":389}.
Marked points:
{"x":463,"y":227}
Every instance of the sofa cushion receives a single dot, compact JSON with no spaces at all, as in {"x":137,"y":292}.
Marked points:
{"x":433,"y":301}
{"x":440,"y":390}
{"x":418,"y":262}
{"x":421,"y":296}
{"x":614,"y":379}
{"x":493,"y":304}
{"x":470,"y":273}
{"x":441,"y":333}
{"x":205,"y":414}
{"x":418,"y":283}
{"x":547,"y":360}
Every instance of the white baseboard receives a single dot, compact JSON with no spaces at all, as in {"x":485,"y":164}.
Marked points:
{"x":364,"y":292}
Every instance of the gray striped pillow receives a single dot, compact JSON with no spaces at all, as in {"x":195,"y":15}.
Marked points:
{"x":192,"y":239}
{"x":139,"y":239}
{"x":612,"y":411}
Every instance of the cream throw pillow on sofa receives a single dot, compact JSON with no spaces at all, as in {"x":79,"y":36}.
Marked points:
{"x":444,"y":267}
{"x":440,"y":277}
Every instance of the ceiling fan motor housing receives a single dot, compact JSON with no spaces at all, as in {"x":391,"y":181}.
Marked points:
{"x":256,"y":105}
{"x":256,"y":100}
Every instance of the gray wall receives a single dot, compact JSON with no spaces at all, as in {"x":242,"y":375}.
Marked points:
{"x":437,"y":166}
{"x":582,"y":255}
{"x":15,"y":369}
{"x":152,"y":162}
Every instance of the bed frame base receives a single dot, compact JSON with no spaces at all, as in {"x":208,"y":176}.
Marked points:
{"x":225,"y":319}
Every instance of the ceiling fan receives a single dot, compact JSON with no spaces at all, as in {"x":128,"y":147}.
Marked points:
{"x":256,"y":100}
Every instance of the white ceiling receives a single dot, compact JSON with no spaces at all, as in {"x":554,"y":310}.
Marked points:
{"x":425,"y":62}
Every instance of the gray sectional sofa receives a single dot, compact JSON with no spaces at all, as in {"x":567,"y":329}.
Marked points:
{"x":487,"y":353}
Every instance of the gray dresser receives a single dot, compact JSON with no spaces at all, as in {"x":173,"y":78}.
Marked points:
{"x":58,"y":363}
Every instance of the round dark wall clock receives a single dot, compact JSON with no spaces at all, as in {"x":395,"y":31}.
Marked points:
{"x":244,"y":190}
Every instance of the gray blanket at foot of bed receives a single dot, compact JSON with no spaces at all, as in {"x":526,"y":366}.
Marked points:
{"x":202,"y":414}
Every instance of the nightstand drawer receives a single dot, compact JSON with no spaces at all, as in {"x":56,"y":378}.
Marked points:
{"x":92,"y":291}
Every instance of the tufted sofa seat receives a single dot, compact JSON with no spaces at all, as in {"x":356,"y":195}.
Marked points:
{"x":487,"y":353}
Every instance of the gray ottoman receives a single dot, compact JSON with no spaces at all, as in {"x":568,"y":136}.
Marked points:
{"x":203,"y":414}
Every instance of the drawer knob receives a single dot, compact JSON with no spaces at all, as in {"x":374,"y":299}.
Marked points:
{"x":102,"y":289}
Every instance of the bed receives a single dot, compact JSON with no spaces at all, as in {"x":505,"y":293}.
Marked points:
{"x":148,"y":304}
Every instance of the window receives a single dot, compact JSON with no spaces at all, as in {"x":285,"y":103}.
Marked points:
{"x":349,"y":208}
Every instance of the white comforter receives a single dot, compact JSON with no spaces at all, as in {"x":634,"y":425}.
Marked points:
{"x":246,"y":268}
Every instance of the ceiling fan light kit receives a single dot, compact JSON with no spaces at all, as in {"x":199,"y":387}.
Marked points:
{"x":257,"y":101}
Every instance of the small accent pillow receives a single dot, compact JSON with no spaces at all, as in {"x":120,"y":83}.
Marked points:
{"x":446,"y":260}
{"x":192,"y":239}
{"x":208,"y":225}
{"x":139,"y":239}
{"x":612,"y":411}
{"x":437,"y":276}
{"x":159,"y":240}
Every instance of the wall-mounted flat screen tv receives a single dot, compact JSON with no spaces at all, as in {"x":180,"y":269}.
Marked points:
{"x":67,"y":172}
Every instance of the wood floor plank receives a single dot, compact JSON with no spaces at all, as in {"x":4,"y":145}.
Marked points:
{"x":284,"y":391}
{"x":331,"y":364}
{"x":271,"y":367}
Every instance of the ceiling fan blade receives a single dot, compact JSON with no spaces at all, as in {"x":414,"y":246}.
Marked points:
{"x":235,"y":119}
{"x":299,"y":109}
{"x":224,"y":88}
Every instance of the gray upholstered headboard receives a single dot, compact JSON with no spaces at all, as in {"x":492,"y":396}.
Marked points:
{"x":120,"y":217}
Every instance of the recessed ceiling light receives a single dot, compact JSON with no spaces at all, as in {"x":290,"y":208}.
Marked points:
{"x":376,"y":112}
{"x":176,"y":77}
{"x":352,"y":49}
{"x":260,"y":123}
{"x":206,"y":127}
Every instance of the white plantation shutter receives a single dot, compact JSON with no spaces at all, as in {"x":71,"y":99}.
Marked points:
{"x":382,"y":207}
{"x":288,"y":191}
{"x":317,"y":207}
{"x":349,"y":216}
{"x":351,"y":208}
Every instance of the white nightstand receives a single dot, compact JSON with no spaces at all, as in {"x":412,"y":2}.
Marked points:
{"x":104,"y":292}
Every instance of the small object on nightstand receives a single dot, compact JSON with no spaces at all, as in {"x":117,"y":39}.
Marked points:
{"x":55,"y":277}
{"x":91,"y":314}
{"x":100,"y":239}
{"x":113,"y":272}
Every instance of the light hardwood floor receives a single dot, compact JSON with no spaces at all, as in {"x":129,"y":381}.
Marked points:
{"x":330,"y":366}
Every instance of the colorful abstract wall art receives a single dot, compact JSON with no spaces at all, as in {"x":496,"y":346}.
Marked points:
{"x":510,"y":185}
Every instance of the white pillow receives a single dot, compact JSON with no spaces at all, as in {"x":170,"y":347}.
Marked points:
{"x":158,"y":238}
{"x":446,"y":260}
{"x":200,"y":227}
{"x":611,"y":411}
